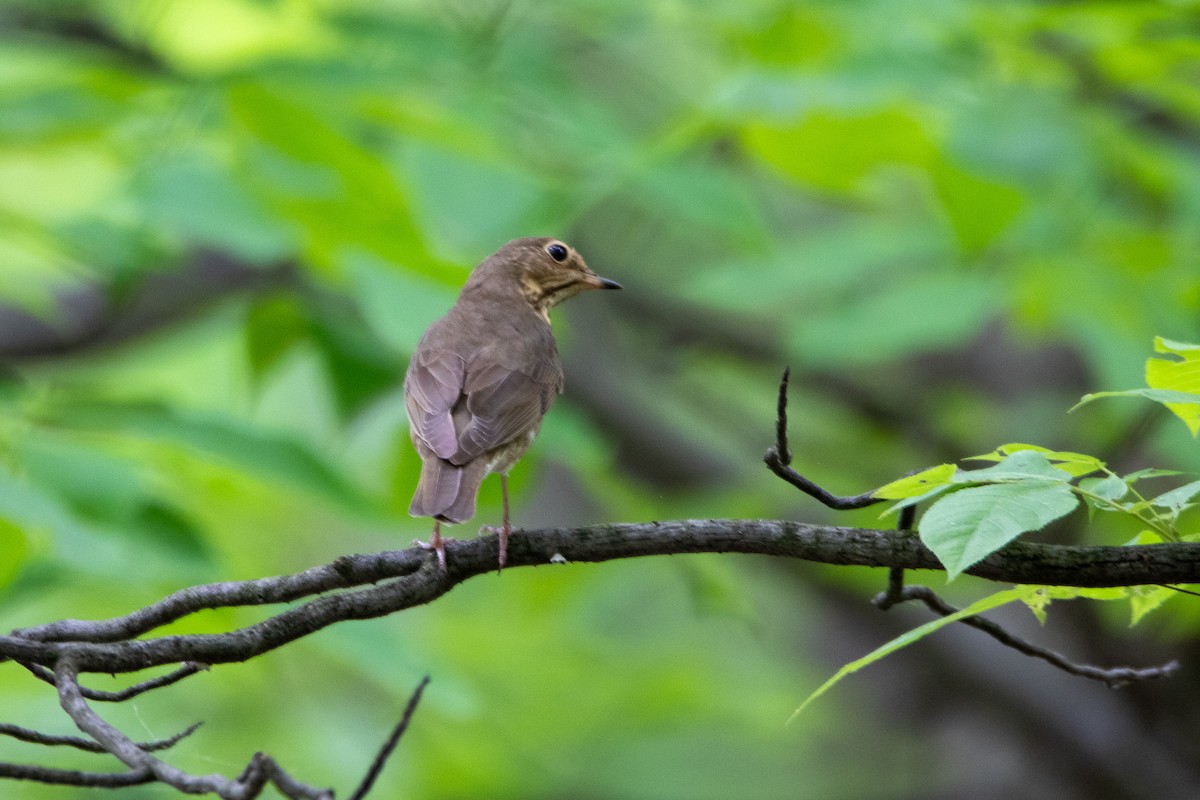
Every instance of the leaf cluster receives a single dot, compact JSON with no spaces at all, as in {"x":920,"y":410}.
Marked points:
{"x":972,"y":513}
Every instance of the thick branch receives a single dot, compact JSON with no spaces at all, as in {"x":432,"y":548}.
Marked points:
{"x":399,"y":586}
{"x":343,"y":573}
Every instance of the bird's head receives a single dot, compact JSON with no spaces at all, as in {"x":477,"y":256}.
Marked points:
{"x":547,"y":270}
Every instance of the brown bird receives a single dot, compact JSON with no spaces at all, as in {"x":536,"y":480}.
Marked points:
{"x":484,"y":375}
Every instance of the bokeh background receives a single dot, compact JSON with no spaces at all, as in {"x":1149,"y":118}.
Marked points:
{"x":224,"y":224}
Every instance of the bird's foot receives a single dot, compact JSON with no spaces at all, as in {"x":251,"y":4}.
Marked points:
{"x":503,"y":532}
{"x":438,"y":545}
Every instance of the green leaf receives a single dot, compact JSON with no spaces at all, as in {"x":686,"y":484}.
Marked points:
{"x":1177,"y":498}
{"x":360,"y":366}
{"x":1144,"y":599}
{"x":1184,"y":349}
{"x":917,"y":484}
{"x":272,"y":455}
{"x":1112,"y":488}
{"x":834,"y":150}
{"x":170,"y":528}
{"x":942,"y":308}
{"x":1173,"y":382}
{"x":43,"y":515}
{"x":315,"y":172}
{"x":1146,"y":537}
{"x":1005,"y":450}
{"x":979,"y":209}
{"x":968,"y":525}
{"x":1164,"y":396}
{"x":88,"y":480}
{"x":456,"y":191}
{"x":1074,"y":463}
{"x":1019,"y":466}
{"x":14,"y":550}
{"x":1040,"y":602}
{"x":274,"y":325}
{"x":396,"y":304}
{"x":936,"y":491}
{"x":1150,"y":472}
{"x":1177,"y":376}
{"x":202,"y":202}
{"x":915,"y":635}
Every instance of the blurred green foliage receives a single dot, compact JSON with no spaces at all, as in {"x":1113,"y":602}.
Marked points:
{"x":224,"y":223}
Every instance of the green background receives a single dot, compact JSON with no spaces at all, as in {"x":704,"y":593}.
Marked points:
{"x":224,"y":224}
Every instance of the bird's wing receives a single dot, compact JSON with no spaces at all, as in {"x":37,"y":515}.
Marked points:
{"x":432,"y":387}
{"x":505,"y":398}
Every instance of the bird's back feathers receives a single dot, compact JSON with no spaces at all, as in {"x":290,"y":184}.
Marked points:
{"x":479,"y":382}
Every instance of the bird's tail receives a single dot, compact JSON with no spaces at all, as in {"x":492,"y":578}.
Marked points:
{"x":447,"y":491}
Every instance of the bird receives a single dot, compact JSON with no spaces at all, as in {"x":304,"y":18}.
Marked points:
{"x":484,"y":375}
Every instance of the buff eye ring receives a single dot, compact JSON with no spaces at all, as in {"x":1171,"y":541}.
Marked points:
{"x":558,"y":252}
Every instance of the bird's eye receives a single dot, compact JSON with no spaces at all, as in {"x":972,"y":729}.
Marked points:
{"x":557,"y":251}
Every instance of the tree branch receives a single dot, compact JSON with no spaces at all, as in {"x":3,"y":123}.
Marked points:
{"x":1115,"y":677}
{"x":145,"y":768}
{"x":88,"y":745}
{"x":407,"y":578}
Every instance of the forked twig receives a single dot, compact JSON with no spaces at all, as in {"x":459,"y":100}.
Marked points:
{"x":779,"y":458}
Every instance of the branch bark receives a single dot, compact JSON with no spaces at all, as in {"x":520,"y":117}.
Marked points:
{"x":374,"y":585}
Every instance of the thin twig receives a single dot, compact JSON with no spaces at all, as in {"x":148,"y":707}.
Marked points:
{"x":88,"y":745}
{"x":1115,"y":677}
{"x":390,"y":745}
{"x":188,"y":669}
{"x":778,"y":457}
{"x":1179,"y":589}
{"x":74,"y":777}
{"x":782,"y":450}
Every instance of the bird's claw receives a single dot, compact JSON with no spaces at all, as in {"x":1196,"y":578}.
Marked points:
{"x":438,"y":546}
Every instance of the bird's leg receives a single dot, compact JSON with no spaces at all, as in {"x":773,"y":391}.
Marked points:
{"x":504,"y":530}
{"x":439,"y":546}
{"x":436,"y":543}
{"x":507,"y":528}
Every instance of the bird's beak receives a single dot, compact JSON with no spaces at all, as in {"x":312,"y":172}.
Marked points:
{"x":596,"y":282}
